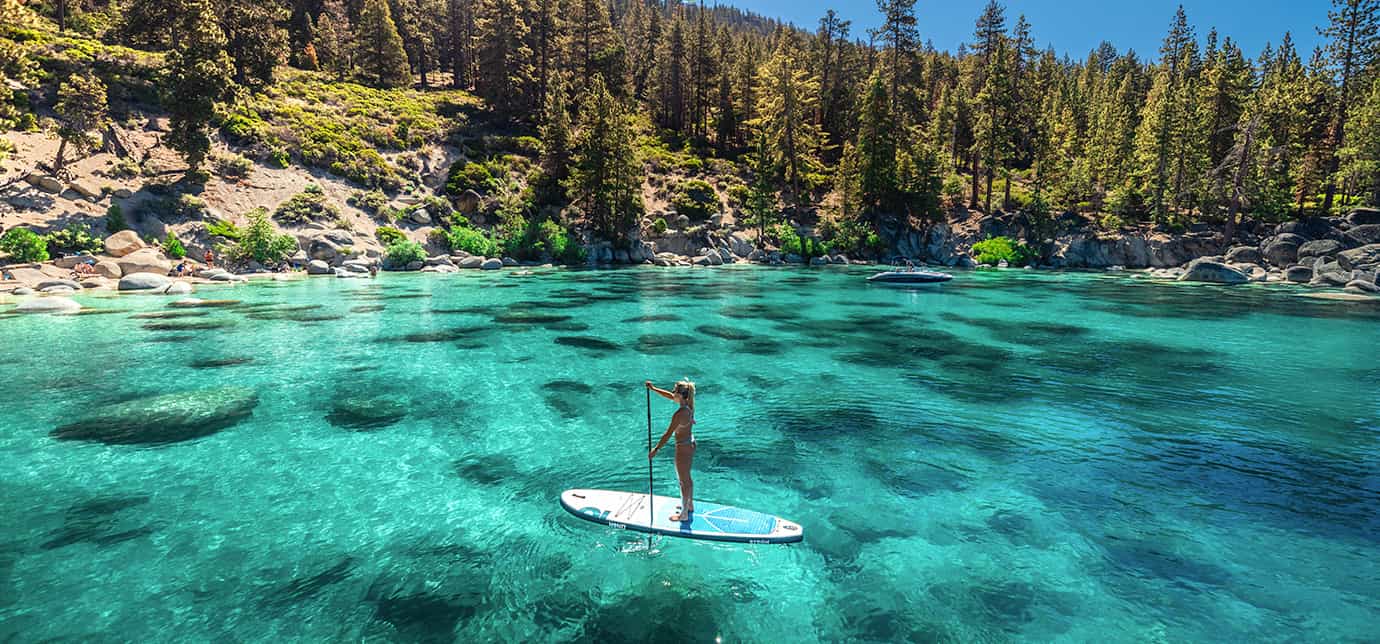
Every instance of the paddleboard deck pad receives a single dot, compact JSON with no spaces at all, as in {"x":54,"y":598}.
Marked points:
{"x":710,"y":521}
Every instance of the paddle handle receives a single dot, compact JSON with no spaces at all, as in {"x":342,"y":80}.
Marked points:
{"x":651,"y":516}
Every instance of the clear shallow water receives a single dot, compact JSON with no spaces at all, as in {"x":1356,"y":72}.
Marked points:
{"x":1011,"y":456}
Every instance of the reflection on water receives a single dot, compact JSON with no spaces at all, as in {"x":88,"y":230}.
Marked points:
{"x":1009,"y":456}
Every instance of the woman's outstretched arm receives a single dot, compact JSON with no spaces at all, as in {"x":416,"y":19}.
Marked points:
{"x":661,"y":392}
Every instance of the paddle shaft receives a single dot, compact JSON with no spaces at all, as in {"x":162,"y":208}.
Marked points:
{"x":651,"y":516}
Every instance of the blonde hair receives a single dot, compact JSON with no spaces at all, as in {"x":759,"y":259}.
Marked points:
{"x":686,"y":389}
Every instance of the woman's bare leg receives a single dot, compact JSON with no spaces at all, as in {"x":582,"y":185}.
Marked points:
{"x":685,"y":455}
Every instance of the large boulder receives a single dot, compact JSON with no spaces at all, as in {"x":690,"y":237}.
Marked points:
{"x":318,"y":267}
{"x":323,"y":248}
{"x":1365,"y":258}
{"x":473,"y":261}
{"x":1243,"y":255}
{"x":1319,"y":248}
{"x":1364,"y":234}
{"x":59,"y":305}
{"x":164,"y":419}
{"x":44,"y":182}
{"x":1310,"y":227}
{"x":147,"y":260}
{"x":1364,"y":217}
{"x":1362,"y":286}
{"x":87,"y":189}
{"x":46,"y":284}
{"x":1283,"y":250}
{"x":1207,"y":270}
{"x":123,"y":243}
{"x":420,"y":217}
{"x":492,"y":264}
{"x":108,"y":269}
{"x":144,"y":282}
{"x":1299,"y":274}
{"x":468,"y":202}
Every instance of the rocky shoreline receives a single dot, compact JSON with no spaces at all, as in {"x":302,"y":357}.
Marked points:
{"x":1337,"y":253}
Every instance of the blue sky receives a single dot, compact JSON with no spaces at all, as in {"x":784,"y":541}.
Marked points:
{"x":1077,"y":26}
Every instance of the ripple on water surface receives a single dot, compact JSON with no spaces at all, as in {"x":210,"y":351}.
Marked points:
{"x":1011,"y":457}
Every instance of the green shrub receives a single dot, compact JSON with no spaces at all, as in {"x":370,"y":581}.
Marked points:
{"x":1111,"y":222}
{"x":994,"y":250}
{"x":1127,"y":203}
{"x":403,"y":252}
{"x":279,"y":158}
{"x":309,"y":205}
{"x":173,"y":247}
{"x":124,"y":169}
{"x":24,"y":245}
{"x":372,"y":202}
{"x":695,"y":199}
{"x":738,"y":194}
{"x":472,"y":241}
{"x":467,"y":175}
{"x":389,"y":235}
{"x":222,"y":228}
{"x":261,"y":242}
{"x":75,"y":238}
{"x":232,"y":165}
{"x":528,"y":145}
{"x":659,"y":226}
{"x":115,"y":219}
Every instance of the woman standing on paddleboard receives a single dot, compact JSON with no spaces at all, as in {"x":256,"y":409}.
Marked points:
{"x":682,"y":423}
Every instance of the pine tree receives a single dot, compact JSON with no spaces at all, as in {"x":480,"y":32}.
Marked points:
{"x":671,"y":75}
{"x":81,"y":110}
{"x":1163,"y":115}
{"x":335,"y":40}
{"x":253,"y":40}
{"x":505,"y":75}
{"x":199,"y":76}
{"x":460,"y":37}
{"x":149,"y":24}
{"x":876,"y":191}
{"x":1353,"y":51}
{"x":1361,"y":151}
{"x":557,"y":144}
{"x":994,"y":102}
{"x":726,"y":117}
{"x":831,"y":40}
{"x":381,"y":58}
{"x":899,"y":33}
{"x":786,"y":97}
{"x":605,"y":177}
{"x":761,"y":199}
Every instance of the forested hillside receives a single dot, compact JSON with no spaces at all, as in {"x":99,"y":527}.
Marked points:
{"x":578,"y":117}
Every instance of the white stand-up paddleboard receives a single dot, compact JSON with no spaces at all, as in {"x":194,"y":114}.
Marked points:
{"x":710,"y":521}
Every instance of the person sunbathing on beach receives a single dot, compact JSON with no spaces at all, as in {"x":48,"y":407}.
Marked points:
{"x":682,"y":423}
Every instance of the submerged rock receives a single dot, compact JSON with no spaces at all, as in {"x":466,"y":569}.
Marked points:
{"x":48,"y":305}
{"x":364,"y":413}
{"x":169,"y":418}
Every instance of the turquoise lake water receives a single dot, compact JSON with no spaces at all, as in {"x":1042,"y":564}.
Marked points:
{"x":1009,"y":456}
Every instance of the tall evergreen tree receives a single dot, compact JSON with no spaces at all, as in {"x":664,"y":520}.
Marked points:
{"x":786,"y":97}
{"x":335,"y":40}
{"x":81,"y":110}
{"x":381,"y":59}
{"x":876,"y":179}
{"x":1353,"y":51}
{"x":605,"y":177}
{"x":505,"y":62}
{"x":199,"y":76}
{"x":899,"y":33}
{"x":254,"y":41}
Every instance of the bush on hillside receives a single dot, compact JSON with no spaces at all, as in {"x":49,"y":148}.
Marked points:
{"x":695,"y":199}
{"x":231,"y":166}
{"x":309,"y":205}
{"x":468,"y":175}
{"x":472,"y":241}
{"x":173,"y":247}
{"x":226,"y":229}
{"x":24,"y":245}
{"x":994,"y":250}
{"x":115,"y":219}
{"x":75,"y":238}
{"x":261,"y":242}
{"x":372,"y":202}
{"x":403,"y":252}
{"x":388,"y":235}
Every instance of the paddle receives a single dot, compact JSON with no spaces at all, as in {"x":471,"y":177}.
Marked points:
{"x":651,"y":517}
